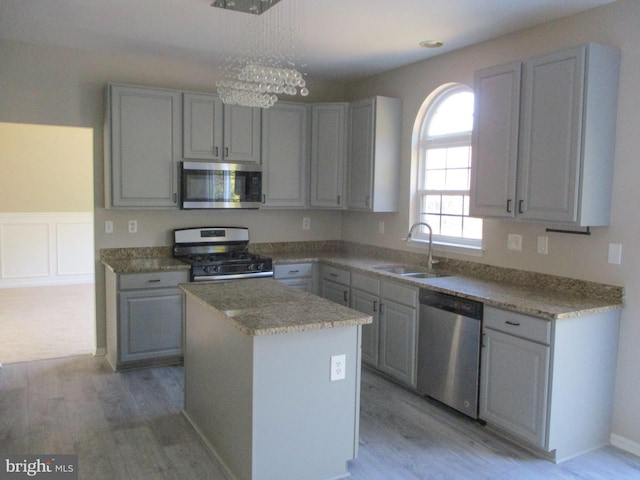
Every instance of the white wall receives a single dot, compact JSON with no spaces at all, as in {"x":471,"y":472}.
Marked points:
{"x":575,"y":256}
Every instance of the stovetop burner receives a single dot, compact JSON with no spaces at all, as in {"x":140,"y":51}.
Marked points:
{"x":217,"y":253}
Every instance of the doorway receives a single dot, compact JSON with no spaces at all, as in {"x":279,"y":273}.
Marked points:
{"x":47,"y":306}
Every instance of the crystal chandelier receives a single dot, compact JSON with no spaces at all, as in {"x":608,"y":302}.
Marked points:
{"x":263,"y":64}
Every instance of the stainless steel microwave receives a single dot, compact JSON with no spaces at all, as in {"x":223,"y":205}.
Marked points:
{"x":220,"y":185}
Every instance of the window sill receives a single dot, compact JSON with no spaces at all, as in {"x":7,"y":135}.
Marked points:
{"x":442,"y":247}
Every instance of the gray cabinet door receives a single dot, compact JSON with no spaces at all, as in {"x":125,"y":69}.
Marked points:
{"x":151,"y":324}
{"x":143,"y":142}
{"x":514,"y":385}
{"x":202,"y":127}
{"x":335,"y":292}
{"x":374,"y":154}
{"x":398,"y":341}
{"x":285,"y":155}
{"x":368,"y":304}
{"x":360,"y":178}
{"x":328,"y":155}
{"x":242,"y":127}
{"x":551,"y":132}
{"x":495,"y":141}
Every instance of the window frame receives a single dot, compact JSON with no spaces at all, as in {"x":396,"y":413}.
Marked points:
{"x":421,"y":145}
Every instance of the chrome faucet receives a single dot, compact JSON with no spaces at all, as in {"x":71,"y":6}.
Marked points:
{"x":430,"y":261}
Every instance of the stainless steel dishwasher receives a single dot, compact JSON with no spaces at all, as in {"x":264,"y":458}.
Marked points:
{"x":449,"y":350}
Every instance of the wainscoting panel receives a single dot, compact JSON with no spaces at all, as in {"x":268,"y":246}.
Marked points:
{"x":45,"y":249}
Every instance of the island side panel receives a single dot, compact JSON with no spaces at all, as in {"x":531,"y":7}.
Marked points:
{"x":218,"y":366}
{"x":305,"y":426}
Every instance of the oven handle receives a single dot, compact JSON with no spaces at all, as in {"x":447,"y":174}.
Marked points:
{"x":237,"y":276}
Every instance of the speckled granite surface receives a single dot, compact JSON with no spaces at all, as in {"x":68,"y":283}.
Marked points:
{"x":540,"y":295}
{"x":267,"y":307}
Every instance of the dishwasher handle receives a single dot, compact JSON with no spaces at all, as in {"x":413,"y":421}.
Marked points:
{"x":450,"y":303}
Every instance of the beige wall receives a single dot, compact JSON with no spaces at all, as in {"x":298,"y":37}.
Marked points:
{"x":575,"y":256}
{"x":45,"y":168}
{"x":62,"y":87}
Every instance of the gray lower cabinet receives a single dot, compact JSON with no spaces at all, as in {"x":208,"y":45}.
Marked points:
{"x":365,"y":298}
{"x":145,"y":318}
{"x":390,"y":342}
{"x":399,"y":332}
{"x":549,"y":383}
{"x":335,"y":285}
{"x":301,"y":276}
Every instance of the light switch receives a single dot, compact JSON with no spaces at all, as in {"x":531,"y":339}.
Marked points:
{"x":543,"y":244}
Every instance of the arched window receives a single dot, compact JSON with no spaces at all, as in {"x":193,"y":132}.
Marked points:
{"x":444,"y":127}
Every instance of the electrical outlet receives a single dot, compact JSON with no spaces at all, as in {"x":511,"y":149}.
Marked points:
{"x":381,"y":227}
{"x":108,"y":226}
{"x":133,"y":226}
{"x":514,"y":242}
{"x":543,"y":244}
{"x":306,"y":223}
{"x":615,"y":253}
{"x":338,"y":367}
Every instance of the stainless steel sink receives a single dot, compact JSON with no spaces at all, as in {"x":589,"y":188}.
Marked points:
{"x":399,"y":269}
{"x":421,"y":274}
{"x":408,"y":271}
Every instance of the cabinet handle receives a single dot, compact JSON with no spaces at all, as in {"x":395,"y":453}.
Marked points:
{"x":157,"y":280}
{"x":338,"y":199}
{"x":346,"y":298}
{"x":175,"y":198}
{"x":264,"y":198}
{"x":482,"y":342}
{"x":216,"y":151}
{"x":226,"y":151}
{"x":375,"y":305}
{"x":381,"y":306}
{"x":294,"y":271}
{"x":334,"y":275}
{"x":515,"y":324}
{"x":509,"y":206}
{"x":366,"y":200}
{"x":520,"y":206}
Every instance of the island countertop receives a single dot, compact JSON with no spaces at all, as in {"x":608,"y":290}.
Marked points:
{"x":266,"y":307}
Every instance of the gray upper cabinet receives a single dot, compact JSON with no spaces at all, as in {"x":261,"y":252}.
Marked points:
{"x":374,"y":154}
{"x":202,"y":127}
{"x":142,"y":146}
{"x":328,"y":155}
{"x":285,"y":155}
{"x":567,"y":105}
{"x":220,"y":133}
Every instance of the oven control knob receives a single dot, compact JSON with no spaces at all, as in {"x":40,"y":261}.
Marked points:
{"x":261,"y":266}
{"x":251,"y":267}
{"x":210,"y":268}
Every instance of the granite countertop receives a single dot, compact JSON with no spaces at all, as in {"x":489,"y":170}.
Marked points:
{"x":144,"y":265}
{"x":543,"y":301}
{"x":543,"y":296}
{"x":266,"y":307}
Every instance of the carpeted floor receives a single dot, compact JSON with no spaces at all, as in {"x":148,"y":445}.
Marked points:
{"x":46,"y":322}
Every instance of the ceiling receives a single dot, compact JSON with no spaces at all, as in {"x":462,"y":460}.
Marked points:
{"x":341,"y":39}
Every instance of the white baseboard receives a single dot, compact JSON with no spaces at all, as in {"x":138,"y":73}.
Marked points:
{"x":100,"y":352}
{"x":625,"y":444}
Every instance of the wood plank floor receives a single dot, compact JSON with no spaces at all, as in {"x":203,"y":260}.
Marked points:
{"x":129,"y":426}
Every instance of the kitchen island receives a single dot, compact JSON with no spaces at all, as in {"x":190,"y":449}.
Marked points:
{"x":266,"y":385}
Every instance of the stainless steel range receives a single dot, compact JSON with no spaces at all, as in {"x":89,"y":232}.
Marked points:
{"x":219,"y":253}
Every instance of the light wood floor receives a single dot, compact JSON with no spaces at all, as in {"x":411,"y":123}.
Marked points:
{"x":129,"y":426}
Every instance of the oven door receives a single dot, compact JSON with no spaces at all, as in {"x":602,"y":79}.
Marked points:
{"x":220,"y":185}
